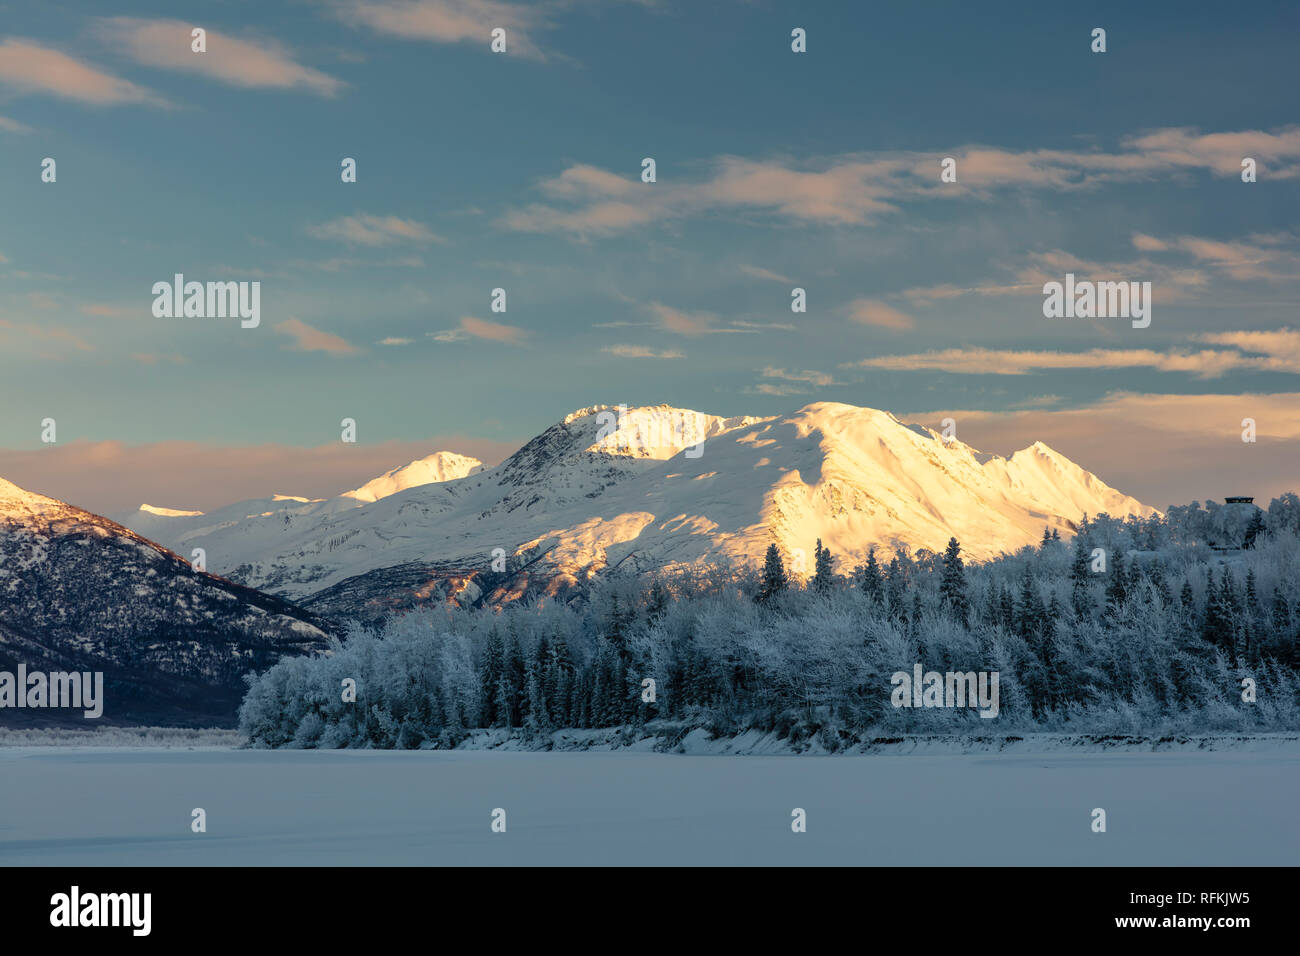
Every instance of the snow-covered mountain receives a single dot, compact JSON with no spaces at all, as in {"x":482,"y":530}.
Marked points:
{"x":440,"y":466}
{"x":175,"y":527}
{"x":81,"y":592}
{"x":654,"y":487}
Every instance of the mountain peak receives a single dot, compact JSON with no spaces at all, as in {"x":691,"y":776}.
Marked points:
{"x":14,"y":499}
{"x":168,"y":512}
{"x":438,"y":467}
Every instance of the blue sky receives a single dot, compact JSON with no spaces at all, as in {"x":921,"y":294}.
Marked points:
{"x":522,"y":170}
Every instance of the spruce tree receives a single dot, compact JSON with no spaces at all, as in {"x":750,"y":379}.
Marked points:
{"x":896,"y":587}
{"x":1079,"y":578}
{"x":823,"y":577}
{"x":869,"y":577}
{"x":490,"y":677}
{"x":1281,"y":616}
{"x":1254,"y":529}
{"x":952,"y":584}
{"x":774,"y":581}
{"x":1213,"y":628}
{"x":1116,"y":583}
{"x":1029,"y":612}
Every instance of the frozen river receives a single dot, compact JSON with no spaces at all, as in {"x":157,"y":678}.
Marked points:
{"x":103,"y":806}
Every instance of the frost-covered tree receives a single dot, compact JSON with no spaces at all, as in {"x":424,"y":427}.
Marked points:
{"x":824,"y":575}
{"x":774,"y":581}
{"x":952,"y":585}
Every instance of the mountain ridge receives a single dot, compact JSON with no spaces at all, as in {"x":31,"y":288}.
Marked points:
{"x":79,"y":591}
{"x":649,"y":487}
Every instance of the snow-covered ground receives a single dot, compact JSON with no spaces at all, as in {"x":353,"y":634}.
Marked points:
{"x":107,"y":806}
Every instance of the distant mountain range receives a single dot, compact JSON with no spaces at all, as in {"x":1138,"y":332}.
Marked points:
{"x":633,"y":489}
{"x":636,"y":489}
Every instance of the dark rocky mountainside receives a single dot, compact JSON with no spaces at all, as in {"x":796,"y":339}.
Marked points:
{"x":80,"y":592}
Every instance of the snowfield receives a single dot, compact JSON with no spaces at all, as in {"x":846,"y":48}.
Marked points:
{"x":111,"y":806}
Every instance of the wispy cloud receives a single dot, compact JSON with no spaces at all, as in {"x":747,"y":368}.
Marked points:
{"x":877,"y":313}
{"x":682,"y":322}
{"x":1271,"y":351}
{"x":760,"y":273}
{"x":1270,"y":258}
{"x":767,"y":388}
{"x":394,"y":340}
{"x":12,"y":126}
{"x":760,"y":326}
{"x":472,"y":328}
{"x":641,"y":351}
{"x":309,"y":339}
{"x":806,"y":375}
{"x":449,"y":21}
{"x":1180,"y":269}
{"x":368,"y":230}
{"x":258,"y":63}
{"x":31,"y":68}
{"x":856,"y":189}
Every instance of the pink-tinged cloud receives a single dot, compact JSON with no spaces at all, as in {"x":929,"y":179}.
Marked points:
{"x":109,"y":477}
{"x":1280,"y":347}
{"x":12,"y":126}
{"x":857,"y":189}
{"x":1146,"y":243}
{"x":449,"y":21}
{"x":247,"y":63}
{"x":601,"y":219}
{"x":308,"y":339}
{"x":472,"y":328}
{"x":682,"y":322}
{"x":779,"y":391}
{"x":874,"y":312}
{"x":367,"y":230}
{"x":1275,"y":152}
{"x":1242,"y":260}
{"x":1162,"y":449}
{"x":846,"y":193}
{"x":582,"y":181}
{"x":32,"y":68}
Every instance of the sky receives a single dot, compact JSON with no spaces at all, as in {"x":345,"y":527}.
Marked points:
{"x":522,"y":170}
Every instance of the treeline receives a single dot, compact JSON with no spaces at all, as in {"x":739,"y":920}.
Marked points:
{"x":1133,"y":626}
